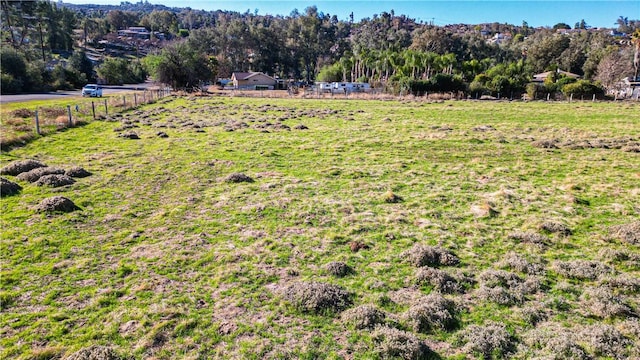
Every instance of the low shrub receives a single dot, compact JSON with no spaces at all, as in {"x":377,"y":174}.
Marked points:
{"x":364,"y":317}
{"x":94,"y":353}
{"x":432,"y":312}
{"x":606,"y":341}
{"x":556,"y":228}
{"x":601,"y":302}
{"x":629,"y":233}
{"x":316,"y":297}
{"x":529,"y":237}
{"x":391,"y":343}
{"x":556,"y":342}
{"x":439,"y":279}
{"x":581,"y":269}
{"x":338,"y":269}
{"x":238,"y":178}
{"x":491,"y":341}
{"x":423,"y":255}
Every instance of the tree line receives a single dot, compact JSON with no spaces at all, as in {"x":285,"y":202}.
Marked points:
{"x":390,"y":51}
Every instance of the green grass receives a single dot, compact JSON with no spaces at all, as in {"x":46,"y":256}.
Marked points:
{"x":165,"y":259}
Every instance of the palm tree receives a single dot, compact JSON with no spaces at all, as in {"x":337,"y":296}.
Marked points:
{"x":635,"y":39}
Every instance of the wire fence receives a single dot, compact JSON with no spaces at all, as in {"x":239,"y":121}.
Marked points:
{"x":96,"y":109}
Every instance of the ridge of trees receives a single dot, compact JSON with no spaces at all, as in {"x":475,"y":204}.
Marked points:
{"x":388,"y":50}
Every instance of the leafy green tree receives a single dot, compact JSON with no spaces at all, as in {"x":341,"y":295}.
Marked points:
{"x":82,"y":64}
{"x":181,"y":66}
{"x":331,"y":73}
{"x":583,"y":88}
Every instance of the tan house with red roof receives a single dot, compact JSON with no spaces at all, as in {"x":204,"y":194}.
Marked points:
{"x":253,"y":81}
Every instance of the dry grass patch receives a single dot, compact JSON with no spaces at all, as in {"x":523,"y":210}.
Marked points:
{"x":601,"y":302}
{"x":338,"y":269}
{"x":439,"y":279}
{"x":94,"y":353}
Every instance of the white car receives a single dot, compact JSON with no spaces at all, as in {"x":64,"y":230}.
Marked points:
{"x":92,"y":90}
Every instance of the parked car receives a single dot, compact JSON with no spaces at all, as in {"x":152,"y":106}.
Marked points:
{"x":92,"y":90}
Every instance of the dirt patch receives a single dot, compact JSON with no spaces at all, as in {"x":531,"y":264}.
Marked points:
{"x":316,"y":297}
{"x":8,"y":188}
{"x":545,"y":144}
{"x":77,"y":172}
{"x":37,"y":173}
{"x":55,"y":180}
{"x":19,"y":167}
{"x":57,"y":204}
{"x":94,"y":353}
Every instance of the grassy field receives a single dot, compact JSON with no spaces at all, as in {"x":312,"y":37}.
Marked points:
{"x":365,"y":229}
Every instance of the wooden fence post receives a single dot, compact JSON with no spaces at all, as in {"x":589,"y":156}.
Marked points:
{"x":106,"y":108}
{"x":69,"y":113}
{"x":93,"y":110}
{"x":124,"y":102}
{"x":37,"y":123}
{"x":135,"y":100}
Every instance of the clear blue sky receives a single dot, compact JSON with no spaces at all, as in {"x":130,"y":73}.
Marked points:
{"x":601,"y":13}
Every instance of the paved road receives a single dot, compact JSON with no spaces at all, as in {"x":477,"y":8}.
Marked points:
{"x":106,"y":90}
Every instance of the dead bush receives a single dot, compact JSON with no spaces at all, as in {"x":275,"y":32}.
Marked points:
{"x":606,"y":341}
{"x":55,"y":180}
{"x":439,"y":279}
{"x":8,"y":188}
{"x":18,"y":167}
{"x":489,"y":341}
{"x":338,"y":269}
{"x":56,"y":204}
{"x":601,"y":302}
{"x":391,"y":343}
{"x":238,"y":178}
{"x":94,"y":353}
{"x":556,"y":342}
{"x":316,"y":297}
{"x":77,"y":172}
{"x":23,"y":113}
{"x":364,"y":317}
{"x":529,"y":237}
{"x":629,"y":233}
{"x":432,"y":312}
{"x":37,"y":173}
{"x":556,"y":228}
{"x":581,"y":269}
{"x":423,"y":255}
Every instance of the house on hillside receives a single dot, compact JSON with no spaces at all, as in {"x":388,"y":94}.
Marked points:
{"x":253,"y":81}
{"x":538,"y":78}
